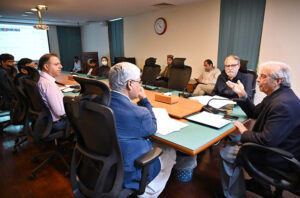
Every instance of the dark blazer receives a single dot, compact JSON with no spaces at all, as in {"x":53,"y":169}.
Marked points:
{"x":5,"y":88}
{"x":222,"y":89}
{"x":277,"y":124}
{"x":134,"y":124}
{"x":94,"y":71}
{"x":103,"y":71}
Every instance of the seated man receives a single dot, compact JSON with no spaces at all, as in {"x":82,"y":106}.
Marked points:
{"x":77,"y":65}
{"x":50,"y":67}
{"x":24,"y":62}
{"x":135,"y":123}
{"x":277,"y":125}
{"x":7,"y":61}
{"x":163,"y":78}
{"x":92,"y":69}
{"x":104,"y":68}
{"x":231,"y":72}
{"x":207,"y":79}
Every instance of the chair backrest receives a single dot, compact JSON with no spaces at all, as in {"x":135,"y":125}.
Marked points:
{"x":7,"y":93}
{"x":150,"y":71}
{"x":178,"y":62}
{"x":94,"y":87}
{"x":38,"y":111}
{"x":253,"y":76}
{"x":150,"y":61}
{"x":33,"y":73}
{"x":243,"y":65}
{"x":97,"y":164}
{"x":124,"y":59}
{"x":179,"y":77}
{"x":284,"y":179}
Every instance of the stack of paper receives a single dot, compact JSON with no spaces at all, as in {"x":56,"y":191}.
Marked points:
{"x":215,"y":101}
{"x":210,"y":119}
{"x":165,"y":124}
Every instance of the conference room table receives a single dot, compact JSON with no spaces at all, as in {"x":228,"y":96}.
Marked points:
{"x":191,"y":139}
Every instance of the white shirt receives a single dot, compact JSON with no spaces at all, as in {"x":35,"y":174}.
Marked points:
{"x":77,"y":66}
{"x":211,"y":76}
{"x":52,"y":96}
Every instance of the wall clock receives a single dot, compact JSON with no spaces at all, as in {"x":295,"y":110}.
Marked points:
{"x":160,"y":26}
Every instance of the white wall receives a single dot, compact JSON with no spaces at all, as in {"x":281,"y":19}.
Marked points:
{"x":192,"y":32}
{"x":94,"y":37}
{"x":53,"y":41}
{"x":281,"y":37}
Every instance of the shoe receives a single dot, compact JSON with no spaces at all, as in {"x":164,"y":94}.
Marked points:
{"x":258,"y":188}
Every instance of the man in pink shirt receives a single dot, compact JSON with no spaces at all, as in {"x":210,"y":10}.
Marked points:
{"x":50,"y":67}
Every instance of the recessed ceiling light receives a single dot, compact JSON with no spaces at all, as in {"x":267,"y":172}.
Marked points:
{"x":24,"y":15}
{"x":33,"y":9}
{"x":29,"y":12}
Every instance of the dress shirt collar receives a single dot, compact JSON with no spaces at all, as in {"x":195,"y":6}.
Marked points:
{"x":47,"y":76}
{"x":121,"y":94}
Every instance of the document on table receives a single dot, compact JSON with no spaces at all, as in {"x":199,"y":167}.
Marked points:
{"x":165,"y":124}
{"x":67,"y":89}
{"x":216,"y":102}
{"x":210,"y":119}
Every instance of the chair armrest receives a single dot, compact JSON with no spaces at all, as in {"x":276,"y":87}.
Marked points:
{"x":252,"y":146}
{"x":268,"y":173}
{"x":144,"y":162}
{"x":148,"y":158}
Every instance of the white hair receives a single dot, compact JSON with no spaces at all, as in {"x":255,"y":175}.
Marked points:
{"x":279,"y":70}
{"x":120,"y":73}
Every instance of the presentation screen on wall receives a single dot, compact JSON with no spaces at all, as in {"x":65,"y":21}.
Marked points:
{"x":23,"y":41}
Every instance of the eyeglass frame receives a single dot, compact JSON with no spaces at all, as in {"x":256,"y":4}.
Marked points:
{"x":233,"y":65}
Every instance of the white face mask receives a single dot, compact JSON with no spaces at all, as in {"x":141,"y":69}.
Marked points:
{"x":104,"y":62}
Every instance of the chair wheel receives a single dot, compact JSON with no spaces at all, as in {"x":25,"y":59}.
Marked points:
{"x":67,"y":174}
{"x":31,"y":177}
{"x":35,"y":160}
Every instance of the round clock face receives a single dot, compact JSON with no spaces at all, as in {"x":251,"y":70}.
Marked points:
{"x":160,"y":26}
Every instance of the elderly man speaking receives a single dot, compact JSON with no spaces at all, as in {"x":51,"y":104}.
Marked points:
{"x":134,"y":124}
{"x":277,"y":125}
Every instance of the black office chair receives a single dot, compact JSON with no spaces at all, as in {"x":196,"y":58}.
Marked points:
{"x":124,"y":59}
{"x":150,"y":71}
{"x":180,"y":75}
{"x":269,"y":174}
{"x":97,"y":163}
{"x":41,"y":127}
{"x":19,"y":112}
{"x":8,"y":98}
{"x":253,"y":75}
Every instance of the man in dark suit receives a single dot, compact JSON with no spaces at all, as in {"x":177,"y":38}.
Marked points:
{"x":232,"y":73}
{"x":135,"y":123}
{"x":7,"y":61}
{"x":93,"y":68}
{"x":277,"y":124}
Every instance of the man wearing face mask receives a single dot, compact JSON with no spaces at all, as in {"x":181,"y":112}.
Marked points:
{"x":231,"y":73}
{"x":104,"y":68}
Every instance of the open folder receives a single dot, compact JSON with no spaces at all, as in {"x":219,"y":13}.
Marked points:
{"x":209,"y":119}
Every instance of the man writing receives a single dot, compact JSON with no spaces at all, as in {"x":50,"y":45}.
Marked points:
{"x":277,"y":124}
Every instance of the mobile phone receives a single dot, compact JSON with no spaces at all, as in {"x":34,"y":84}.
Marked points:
{"x":230,"y":117}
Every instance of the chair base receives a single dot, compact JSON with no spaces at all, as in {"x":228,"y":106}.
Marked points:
{"x":58,"y":152}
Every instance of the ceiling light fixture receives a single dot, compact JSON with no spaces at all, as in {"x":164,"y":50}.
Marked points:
{"x":33,"y":9}
{"x":41,"y":26}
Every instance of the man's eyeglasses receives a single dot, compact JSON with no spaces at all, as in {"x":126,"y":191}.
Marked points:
{"x":233,"y":65}
{"x":138,"y":81}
